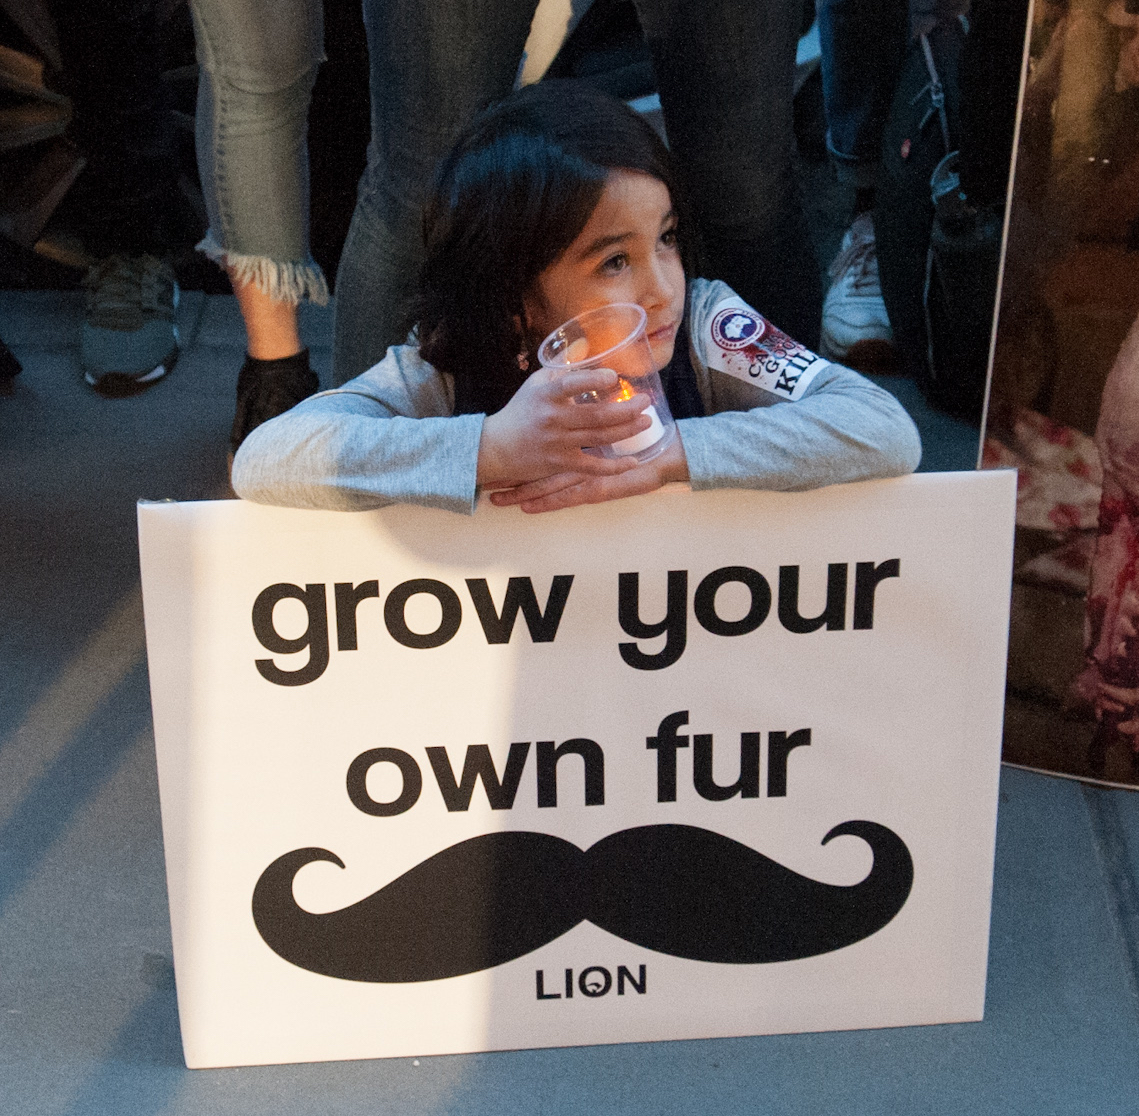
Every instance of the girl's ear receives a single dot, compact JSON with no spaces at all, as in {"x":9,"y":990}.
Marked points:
{"x":528,"y":323}
{"x":520,"y":331}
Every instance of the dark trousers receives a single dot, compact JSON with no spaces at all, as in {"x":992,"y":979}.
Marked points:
{"x":725,"y":70}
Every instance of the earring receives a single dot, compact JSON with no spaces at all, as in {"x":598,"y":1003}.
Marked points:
{"x":524,"y":361}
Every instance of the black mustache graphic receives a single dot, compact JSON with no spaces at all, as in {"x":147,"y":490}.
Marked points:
{"x":677,"y":889}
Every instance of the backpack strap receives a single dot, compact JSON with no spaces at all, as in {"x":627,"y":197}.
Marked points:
{"x":936,"y":92}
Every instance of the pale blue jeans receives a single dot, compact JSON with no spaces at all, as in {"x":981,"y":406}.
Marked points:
{"x":258,"y":61}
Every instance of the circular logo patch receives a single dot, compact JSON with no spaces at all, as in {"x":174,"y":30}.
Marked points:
{"x":736,"y":328}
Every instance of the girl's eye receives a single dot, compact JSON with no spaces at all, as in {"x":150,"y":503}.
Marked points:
{"x":615,"y":263}
{"x":668,"y":238}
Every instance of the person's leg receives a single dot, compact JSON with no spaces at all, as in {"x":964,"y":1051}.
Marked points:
{"x":258,"y":65}
{"x":725,"y":71}
{"x":863,"y":43}
{"x":127,"y":194}
{"x":271,"y":327}
{"x":433,"y":66}
{"x":858,"y":89}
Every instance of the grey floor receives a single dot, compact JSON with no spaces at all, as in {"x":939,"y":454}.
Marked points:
{"x":88,"y":1022}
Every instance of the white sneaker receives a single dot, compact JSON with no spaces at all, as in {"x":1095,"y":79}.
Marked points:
{"x":856,"y":329}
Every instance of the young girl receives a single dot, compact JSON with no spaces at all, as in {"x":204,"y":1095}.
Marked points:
{"x":555,"y":201}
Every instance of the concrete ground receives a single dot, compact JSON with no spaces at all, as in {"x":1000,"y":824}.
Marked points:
{"x":88,"y":1021}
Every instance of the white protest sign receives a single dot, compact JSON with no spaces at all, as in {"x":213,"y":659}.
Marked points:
{"x":686,"y":765}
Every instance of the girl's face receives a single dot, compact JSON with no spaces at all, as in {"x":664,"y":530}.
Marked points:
{"x":627,"y":252}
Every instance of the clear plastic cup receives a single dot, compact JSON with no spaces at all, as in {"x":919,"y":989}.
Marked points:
{"x":613,"y":337}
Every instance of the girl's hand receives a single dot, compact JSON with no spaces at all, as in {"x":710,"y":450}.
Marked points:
{"x":566,"y":490}
{"x":541,"y":431}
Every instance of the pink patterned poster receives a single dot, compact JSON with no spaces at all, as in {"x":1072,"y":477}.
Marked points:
{"x":1064,"y":397}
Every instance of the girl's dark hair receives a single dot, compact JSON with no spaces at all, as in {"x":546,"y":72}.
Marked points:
{"x":514,"y":193}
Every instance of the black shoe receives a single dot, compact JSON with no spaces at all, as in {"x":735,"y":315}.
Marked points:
{"x":268,"y":388}
{"x":129,"y":337}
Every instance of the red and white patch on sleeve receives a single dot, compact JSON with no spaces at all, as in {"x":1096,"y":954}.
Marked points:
{"x":746,"y":345}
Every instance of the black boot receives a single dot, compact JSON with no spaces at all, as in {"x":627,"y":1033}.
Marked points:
{"x":267,"y":388}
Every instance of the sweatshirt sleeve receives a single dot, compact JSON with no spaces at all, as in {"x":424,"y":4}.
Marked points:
{"x":386,"y":437}
{"x":821,"y":424}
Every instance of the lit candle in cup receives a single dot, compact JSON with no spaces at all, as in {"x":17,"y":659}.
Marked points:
{"x":613,"y":338}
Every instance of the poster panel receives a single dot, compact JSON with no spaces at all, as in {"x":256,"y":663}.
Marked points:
{"x":1064,"y":397}
{"x":688,"y":765}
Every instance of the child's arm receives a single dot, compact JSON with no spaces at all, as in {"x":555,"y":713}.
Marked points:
{"x":842,"y":429}
{"x":566,"y":490}
{"x":389,"y":437}
{"x":804,"y":423}
{"x":352,"y":449}
{"x":541,"y":431}
{"x":836,"y":427}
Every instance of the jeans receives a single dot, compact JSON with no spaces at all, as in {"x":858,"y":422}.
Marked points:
{"x":725,"y":71}
{"x":863,"y":46}
{"x":258,"y":61}
{"x":863,"y":43}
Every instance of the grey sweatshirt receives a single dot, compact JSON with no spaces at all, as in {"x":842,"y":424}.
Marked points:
{"x":390,"y":435}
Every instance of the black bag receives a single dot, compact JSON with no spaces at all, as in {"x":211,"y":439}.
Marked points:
{"x":962,"y":266}
{"x":938,"y":276}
